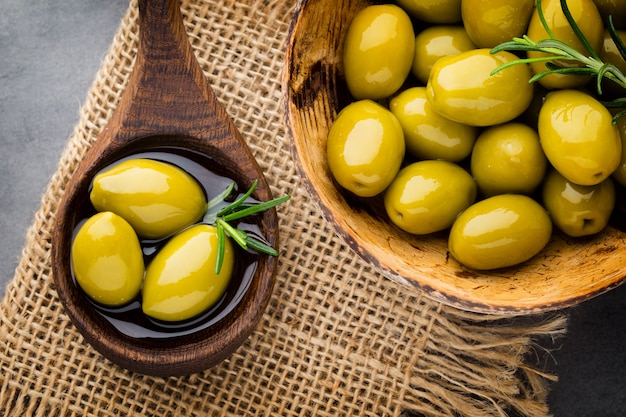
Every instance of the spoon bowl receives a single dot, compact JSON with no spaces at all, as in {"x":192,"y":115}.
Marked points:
{"x":167,"y":104}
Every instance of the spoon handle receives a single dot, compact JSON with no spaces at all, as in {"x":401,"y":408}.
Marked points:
{"x":167,"y":93}
{"x":167,"y":82}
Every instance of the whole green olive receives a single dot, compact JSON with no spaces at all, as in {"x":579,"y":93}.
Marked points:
{"x":107,"y":260}
{"x":433,"y":11}
{"x":499,"y":231}
{"x":181,"y":281}
{"x":586,"y":15}
{"x":427,"y":196}
{"x":492,"y":22}
{"x":578,"y":210}
{"x":365,"y":148}
{"x":378,"y":51}
{"x":462,"y":88}
{"x":427,"y":134}
{"x":578,"y":137}
{"x":508,"y":158}
{"x":435,"y":42}
{"x":156,"y":198}
{"x":619,"y":174}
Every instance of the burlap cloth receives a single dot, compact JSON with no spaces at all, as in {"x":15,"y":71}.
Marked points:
{"x":337,"y":339}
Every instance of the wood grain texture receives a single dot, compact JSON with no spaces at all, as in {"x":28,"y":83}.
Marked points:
{"x":567,"y":272}
{"x":167,"y":102}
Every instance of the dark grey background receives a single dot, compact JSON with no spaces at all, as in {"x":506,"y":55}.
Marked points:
{"x":50,"y":51}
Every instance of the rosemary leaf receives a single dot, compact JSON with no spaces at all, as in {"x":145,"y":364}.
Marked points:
{"x":615,"y":104}
{"x":525,"y":61}
{"x":557,"y":47}
{"x":239,"y":236}
{"x":259,"y":246}
{"x":214,"y":205}
{"x":582,"y":71}
{"x":604,"y":69}
{"x":560,"y":54}
{"x":238,"y":209}
{"x":542,"y":19}
{"x":257,"y":208}
{"x":579,"y":34}
{"x":239,"y":201}
{"x":618,"y":115}
{"x":221,"y":196}
{"x":221,"y":245}
{"x":514,"y":46}
{"x":617,"y":39}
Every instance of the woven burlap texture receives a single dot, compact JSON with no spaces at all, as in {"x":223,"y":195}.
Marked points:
{"x":337,"y":339}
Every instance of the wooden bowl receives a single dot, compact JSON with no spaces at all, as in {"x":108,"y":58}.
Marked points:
{"x":567,"y":272}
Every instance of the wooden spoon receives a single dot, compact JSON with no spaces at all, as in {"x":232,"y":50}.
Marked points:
{"x":167,"y":102}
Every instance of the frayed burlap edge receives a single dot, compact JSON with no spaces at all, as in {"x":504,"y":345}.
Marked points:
{"x":337,"y":339}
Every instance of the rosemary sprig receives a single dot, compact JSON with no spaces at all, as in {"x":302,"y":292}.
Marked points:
{"x":220,"y":213}
{"x":559,"y":54}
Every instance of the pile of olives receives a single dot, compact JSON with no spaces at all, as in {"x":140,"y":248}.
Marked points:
{"x":149,"y":199}
{"x":450,"y":145}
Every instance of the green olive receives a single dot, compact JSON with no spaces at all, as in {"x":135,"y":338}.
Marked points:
{"x":619,"y":174}
{"x":435,"y":42}
{"x":107,"y":260}
{"x":611,"y":55}
{"x":378,"y":51}
{"x":427,"y":196}
{"x":614,"y":8}
{"x":578,"y":137}
{"x":181,"y":281}
{"x":586,"y":15}
{"x":609,"y":52}
{"x":508,"y":159}
{"x":462,"y":88}
{"x":433,"y":11}
{"x":499,"y":232}
{"x":578,"y":210}
{"x":427,"y":134}
{"x":492,"y":22}
{"x":365,"y":148}
{"x":156,"y":198}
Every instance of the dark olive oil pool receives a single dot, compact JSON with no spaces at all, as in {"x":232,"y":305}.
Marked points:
{"x":130,"y":319}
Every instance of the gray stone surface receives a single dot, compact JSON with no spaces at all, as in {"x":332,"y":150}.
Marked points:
{"x":50,"y":51}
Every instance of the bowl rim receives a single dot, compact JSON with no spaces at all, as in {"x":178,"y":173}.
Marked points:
{"x":368,"y":252}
